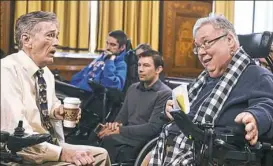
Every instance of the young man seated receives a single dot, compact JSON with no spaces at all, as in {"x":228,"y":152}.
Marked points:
{"x":109,"y":69}
{"x":139,"y":118}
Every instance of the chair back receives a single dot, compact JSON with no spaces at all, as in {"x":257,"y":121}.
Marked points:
{"x":128,"y":45}
{"x":131,"y":60}
{"x":257,"y":45}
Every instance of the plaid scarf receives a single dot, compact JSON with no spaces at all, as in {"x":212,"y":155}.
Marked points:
{"x":182,"y":152}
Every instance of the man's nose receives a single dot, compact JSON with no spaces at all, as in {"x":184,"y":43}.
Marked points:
{"x":55,"y":42}
{"x":107,"y":47}
{"x":201,"y":51}
{"x":140,"y":69}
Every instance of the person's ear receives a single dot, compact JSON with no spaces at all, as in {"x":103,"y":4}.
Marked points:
{"x":159,"y":69}
{"x":123,"y":47}
{"x":231,"y":43}
{"x":230,"y":39}
{"x":26,"y":40}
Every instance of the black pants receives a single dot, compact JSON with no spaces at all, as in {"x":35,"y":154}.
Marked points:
{"x":118,"y":150}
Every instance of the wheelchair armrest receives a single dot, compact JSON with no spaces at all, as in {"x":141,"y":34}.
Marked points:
{"x":263,"y":139}
{"x":70,"y":90}
{"x":186,"y":125}
{"x":96,"y":87}
{"x":19,"y":139}
{"x":112,"y":93}
{"x":65,"y":84}
{"x":16,"y":143}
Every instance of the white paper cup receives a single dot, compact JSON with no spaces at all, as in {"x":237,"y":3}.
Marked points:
{"x":71,"y":110}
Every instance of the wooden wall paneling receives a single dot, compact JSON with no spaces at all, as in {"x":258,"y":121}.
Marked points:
{"x":178,"y":20}
{"x":5,"y":26}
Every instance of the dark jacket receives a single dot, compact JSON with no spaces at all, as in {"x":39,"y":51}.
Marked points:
{"x":140,"y":113}
{"x":252,"y":93}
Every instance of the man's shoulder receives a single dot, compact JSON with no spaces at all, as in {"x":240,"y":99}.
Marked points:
{"x":164,"y":86}
{"x":134,"y":85}
{"x":161,"y":87}
{"x":9,"y":61}
{"x":255,"y":72}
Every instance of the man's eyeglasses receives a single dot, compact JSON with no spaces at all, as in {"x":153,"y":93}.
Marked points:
{"x":207,"y":44}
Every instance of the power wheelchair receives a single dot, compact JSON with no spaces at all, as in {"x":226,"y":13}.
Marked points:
{"x":226,"y":146}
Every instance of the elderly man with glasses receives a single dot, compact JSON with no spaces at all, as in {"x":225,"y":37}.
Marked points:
{"x":231,"y":90}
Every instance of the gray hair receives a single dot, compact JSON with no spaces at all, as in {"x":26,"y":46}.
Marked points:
{"x":27,"y":22}
{"x":144,"y":47}
{"x":218,"y":22}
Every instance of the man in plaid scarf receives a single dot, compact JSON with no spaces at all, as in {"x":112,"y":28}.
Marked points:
{"x":231,"y":89}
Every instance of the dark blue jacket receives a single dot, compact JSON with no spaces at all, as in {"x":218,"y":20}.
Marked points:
{"x":253,"y":93}
{"x":106,"y":72}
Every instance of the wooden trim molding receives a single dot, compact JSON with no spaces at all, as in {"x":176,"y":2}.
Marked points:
{"x":67,"y":67}
{"x":5,"y":26}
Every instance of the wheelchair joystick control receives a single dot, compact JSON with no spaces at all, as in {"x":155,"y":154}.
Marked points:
{"x":12,"y":143}
{"x":19,"y":130}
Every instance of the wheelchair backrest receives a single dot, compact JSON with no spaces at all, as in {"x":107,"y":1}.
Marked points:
{"x":132,"y":64}
{"x":257,"y":45}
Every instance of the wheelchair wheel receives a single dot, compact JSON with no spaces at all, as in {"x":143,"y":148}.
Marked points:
{"x":144,"y":151}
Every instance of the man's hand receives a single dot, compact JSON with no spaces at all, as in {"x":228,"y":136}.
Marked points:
{"x":169,"y":107}
{"x":113,"y":126}
{"x":107,"y":132}
{"x":78,"y":157}
{"x":250,"y":126}
{"x":109,"y":54}
{"x":109,"y":129}
{"x":113,"y":57}
{"x":59,"y":113}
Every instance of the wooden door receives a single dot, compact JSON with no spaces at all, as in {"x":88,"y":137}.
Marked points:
{"x":176,"y":42}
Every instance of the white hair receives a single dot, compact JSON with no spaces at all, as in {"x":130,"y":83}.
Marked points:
{"x":218,"y":22}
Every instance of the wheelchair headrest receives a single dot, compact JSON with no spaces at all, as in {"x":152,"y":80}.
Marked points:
{"x":128,"y":45}
{"x":257,"y":45}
